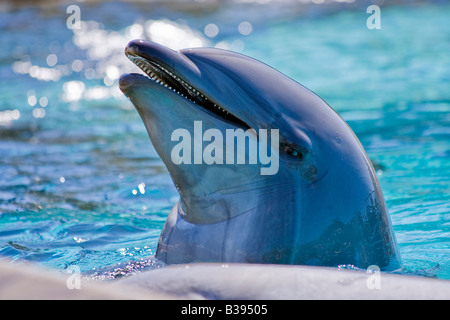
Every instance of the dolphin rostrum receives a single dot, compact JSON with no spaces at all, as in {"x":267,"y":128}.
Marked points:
{"x":323,"y":206}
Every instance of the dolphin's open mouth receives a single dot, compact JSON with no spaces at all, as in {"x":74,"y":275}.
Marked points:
{"x":169,"y":78}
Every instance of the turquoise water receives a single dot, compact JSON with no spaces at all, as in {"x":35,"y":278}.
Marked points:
{"x":80,"y":183}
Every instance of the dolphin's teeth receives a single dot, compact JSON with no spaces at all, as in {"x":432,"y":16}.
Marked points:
{"x":160,"y":75}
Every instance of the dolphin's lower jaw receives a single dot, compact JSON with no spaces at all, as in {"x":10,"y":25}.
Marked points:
{"x":323,"y":207}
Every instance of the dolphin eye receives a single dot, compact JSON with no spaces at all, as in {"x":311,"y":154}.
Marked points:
{"x":291,"y":151}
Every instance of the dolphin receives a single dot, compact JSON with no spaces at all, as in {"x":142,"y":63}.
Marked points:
{"x":323,"y":206}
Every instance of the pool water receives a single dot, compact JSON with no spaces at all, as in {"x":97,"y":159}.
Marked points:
{"x":80,"y":183}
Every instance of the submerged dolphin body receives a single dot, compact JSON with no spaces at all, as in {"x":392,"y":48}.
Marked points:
{"x":323,"y":206}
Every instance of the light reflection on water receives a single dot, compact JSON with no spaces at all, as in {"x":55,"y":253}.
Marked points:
{"x":81,"y":184}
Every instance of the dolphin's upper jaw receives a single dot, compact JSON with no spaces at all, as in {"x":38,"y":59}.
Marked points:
{"x":165,"y":75}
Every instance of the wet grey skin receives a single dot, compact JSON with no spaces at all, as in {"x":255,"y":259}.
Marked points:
{"x":323,"y":207}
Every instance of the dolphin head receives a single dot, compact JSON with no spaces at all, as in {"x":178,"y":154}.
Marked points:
{"x":321,"y":183}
